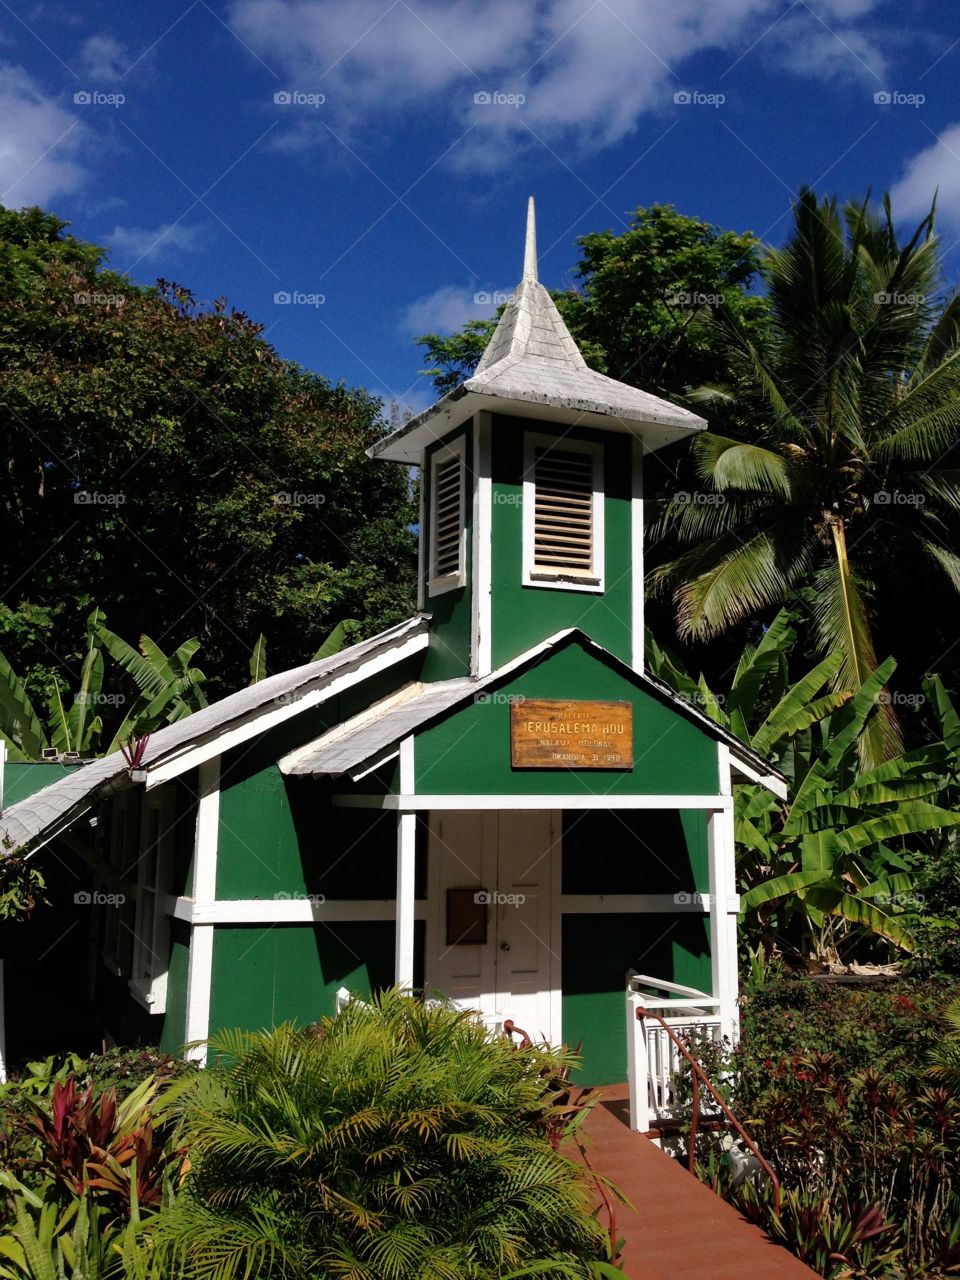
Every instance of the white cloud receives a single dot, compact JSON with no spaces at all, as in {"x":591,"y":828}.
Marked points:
{"x":103,"y":58}
{"x":936,"y":168}
{"x":448,"y":309}
{"x":131,"y":245}
{"x":588,"y":69}
{"x":39,"y":143}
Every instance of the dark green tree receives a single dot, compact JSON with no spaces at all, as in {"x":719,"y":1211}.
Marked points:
{"x":162,"y":461}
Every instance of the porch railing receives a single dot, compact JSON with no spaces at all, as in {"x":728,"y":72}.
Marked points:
{"x":653,"y":1055}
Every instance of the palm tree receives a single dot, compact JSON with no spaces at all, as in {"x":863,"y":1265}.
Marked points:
{"x":399,"y":1139}
{"x":847,"y":474}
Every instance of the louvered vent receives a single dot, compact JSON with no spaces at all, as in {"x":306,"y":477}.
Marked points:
{"x":447,"y":517}
{"x":563,"y":513}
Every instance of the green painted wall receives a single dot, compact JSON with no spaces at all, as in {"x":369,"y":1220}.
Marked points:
{"x":448,"y":655}
{"x":263,"y":976}
{"x":25,"y":779}
{"x":174,"y":1032}
{"x":597,"y":952}
{"x":469,"y":751}
{"x":522,"y":616}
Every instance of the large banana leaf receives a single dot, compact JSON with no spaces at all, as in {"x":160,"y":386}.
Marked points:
{"x":336,"y":639}
{"x":148,"y":677}
{"x":909,"y":819}
{"x":20,"y":727}
{"x":793,"y":712}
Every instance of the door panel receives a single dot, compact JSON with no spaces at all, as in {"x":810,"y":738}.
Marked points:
{"x":513,"y":856}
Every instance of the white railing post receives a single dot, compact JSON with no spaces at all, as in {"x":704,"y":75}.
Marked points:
{"x":638,"y":1067}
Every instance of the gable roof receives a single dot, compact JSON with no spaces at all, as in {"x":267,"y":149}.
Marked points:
{"x":533,"y":361}
{"x":174,"y":748}
{"x":374,"y":736}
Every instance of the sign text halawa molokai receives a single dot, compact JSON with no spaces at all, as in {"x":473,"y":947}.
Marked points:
{"x":560,"y":734}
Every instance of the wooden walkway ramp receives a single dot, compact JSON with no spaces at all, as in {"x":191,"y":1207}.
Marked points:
{"x":680,"y":1228}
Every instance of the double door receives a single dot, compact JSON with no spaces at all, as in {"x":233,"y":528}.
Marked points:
{"x":491,"y":941}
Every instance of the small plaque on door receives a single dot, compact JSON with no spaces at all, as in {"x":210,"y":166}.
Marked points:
{"x":467,"y":917}
{"x":561,"y":734}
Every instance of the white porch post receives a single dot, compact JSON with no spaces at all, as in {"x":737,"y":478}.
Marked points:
{"x":206,"y":844}
{"x":406,"y":875}
{"x":724,"y":904}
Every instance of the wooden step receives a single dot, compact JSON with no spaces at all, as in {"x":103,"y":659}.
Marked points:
{"x":680,"y":1230}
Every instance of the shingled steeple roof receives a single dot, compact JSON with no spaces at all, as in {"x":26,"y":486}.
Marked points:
{"x":533,"y":368}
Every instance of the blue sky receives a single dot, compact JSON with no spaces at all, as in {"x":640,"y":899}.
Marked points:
{"x":372,"y":158}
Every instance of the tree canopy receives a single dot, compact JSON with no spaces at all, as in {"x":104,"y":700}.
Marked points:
{"x":163,"y":461}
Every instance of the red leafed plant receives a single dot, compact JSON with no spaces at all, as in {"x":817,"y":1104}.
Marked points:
{"x":89,"y":1143}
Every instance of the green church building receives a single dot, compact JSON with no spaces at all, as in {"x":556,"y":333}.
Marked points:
{"x":493,"y":801}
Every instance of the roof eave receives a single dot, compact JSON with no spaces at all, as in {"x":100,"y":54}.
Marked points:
{"x":408,"y":443}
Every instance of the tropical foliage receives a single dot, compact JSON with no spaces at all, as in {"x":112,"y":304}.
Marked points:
{"x":398,"y":1139}
{"x":853,"y":1094}
{"x":840,"y":468}
{"x":837,"y":857}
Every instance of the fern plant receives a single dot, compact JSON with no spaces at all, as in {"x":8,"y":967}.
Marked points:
{"x":399,"y":1140}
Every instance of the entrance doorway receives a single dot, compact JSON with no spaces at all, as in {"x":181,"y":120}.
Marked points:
{"x":493,"y":936}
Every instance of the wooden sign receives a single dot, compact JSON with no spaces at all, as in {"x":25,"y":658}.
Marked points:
{"x":561,"y":734}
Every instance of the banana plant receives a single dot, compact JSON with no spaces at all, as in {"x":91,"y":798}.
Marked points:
{"x":76,"y":727}
{"x":169,"y":687}
{"x":838,"y":850}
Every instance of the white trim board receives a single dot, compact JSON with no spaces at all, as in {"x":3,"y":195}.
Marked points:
{"x":605,"y":800}
{"x":482,"y":584}
{"x":287,"y":910}
{"x":260,"y":722}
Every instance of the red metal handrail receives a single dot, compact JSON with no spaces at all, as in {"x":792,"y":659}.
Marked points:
{"x":699,"y":1075}
{"x":510,"y":1029}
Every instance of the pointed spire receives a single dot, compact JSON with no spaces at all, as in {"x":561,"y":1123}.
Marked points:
{"x":530,"y":248}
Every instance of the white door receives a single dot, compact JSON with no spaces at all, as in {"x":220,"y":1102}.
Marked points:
{"x":512,"y":857}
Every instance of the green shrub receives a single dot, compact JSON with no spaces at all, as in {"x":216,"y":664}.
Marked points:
{"x":395,"y":1140}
